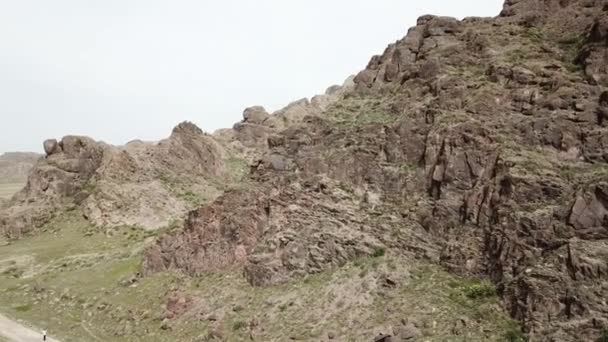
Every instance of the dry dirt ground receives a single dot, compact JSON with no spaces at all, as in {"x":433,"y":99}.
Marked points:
{"x":14,"y":332}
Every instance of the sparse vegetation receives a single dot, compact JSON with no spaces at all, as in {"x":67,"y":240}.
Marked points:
{"x":408,"y":167}
{"x":571,"y":47}
{"x":237,"y":167}
{"x":379,"y":252}
{"x":193,"y":198}
{"x":514,"y":334}
{"x":194,"y":194}
{"x":238,"y":325}
{"x":517,"y":56}
{"x":74,"y":275}
{"x":23,"y":308}
{"x":359,"y":111}
{"x":535,"y":34}
{"x":483,"y":289}
{"x":74,"y":270}
{"x":603,"y":336}
{"x":89,"y":188}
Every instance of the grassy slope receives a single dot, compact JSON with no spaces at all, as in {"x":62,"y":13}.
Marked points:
{"x":74,"y":279}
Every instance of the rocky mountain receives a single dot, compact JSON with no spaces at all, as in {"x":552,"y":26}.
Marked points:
{"x":479,"y":145}
{"x":15,"y":166}
{"x":148,"y":185}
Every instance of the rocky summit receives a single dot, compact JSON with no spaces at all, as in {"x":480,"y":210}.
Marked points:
{"x":474,"y":147}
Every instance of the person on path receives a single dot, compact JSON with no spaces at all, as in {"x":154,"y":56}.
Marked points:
{"x":44,"y":335}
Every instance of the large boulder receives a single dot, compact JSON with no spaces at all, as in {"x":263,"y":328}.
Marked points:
{"x":255,"y":115}
{"x":590,"y":208}
{"x":50,"y":146}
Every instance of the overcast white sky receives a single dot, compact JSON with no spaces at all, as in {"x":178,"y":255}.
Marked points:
{"x":117,"y":70}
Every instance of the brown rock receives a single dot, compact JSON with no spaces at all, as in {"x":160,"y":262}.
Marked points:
{"x":407,"y":332}
{"x":255,"y":115}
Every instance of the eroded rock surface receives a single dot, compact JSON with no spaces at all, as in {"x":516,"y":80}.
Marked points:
{"x":477,"y":144}
{"x":140,"y":184}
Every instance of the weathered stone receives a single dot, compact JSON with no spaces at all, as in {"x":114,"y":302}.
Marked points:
{"x":407,"y":332}
{"x":50,"y":146}
{"x":255,"y":115}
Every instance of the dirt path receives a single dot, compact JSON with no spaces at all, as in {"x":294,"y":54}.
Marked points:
{"x":16,"y":332}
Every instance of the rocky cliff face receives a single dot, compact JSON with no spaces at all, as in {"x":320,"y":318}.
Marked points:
{"x":478,"y":144}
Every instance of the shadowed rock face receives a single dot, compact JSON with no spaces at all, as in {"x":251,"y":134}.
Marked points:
{"x":478,"y":144}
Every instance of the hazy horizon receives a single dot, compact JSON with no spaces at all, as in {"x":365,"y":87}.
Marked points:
{"x":123,"y":70}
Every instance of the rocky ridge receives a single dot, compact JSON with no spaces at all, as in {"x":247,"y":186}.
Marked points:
{"x":128,"y":185}
{"x":144,"y":184}
{"x":477,"y":144}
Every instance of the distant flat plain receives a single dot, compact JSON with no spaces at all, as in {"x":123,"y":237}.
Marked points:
{"x":9,"y":189}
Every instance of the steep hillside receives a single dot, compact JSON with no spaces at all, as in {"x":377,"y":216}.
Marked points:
{"x":461,"y":178}
{"x":479,"y":145}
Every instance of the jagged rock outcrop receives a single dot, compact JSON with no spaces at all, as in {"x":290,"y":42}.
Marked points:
{"x":150,"y":185}
{"x":141,"y":184}
{"x":250,"y":136}
{"x":55,"y":182}
{"x":478,"y":144}
{"x":522,"y":219}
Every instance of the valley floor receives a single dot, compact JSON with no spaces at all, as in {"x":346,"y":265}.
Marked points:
{"x":13,"y":331}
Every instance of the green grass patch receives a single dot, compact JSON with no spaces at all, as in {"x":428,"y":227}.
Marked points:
{"x":191,"y":197}
{"x":89,"y":188}
{"x":75,"y":275}
{"x":238,"y":325}
{"x":571,"y":49}
{"x":379,"y":252}
{"x":365,"y":118}
{"x":513,"y":333}
{"x":517,"y":56}
{"x":603,"y":336}
{"x":483,"y":289}
{"x":237,"y":168}
{"x":408,"y":168}
{"x":23,"y":308}
{"x":535,"y":34}
{"x":362,"y":110}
